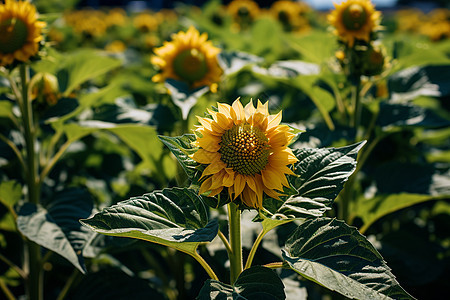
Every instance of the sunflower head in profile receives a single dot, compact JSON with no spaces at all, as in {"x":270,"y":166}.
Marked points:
{"x":189,"y":57}
{"x":245,"y":151}
{"x":354,"y":20}
{"x":20,"y":32}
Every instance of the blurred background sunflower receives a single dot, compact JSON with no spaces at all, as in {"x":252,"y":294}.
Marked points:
{"x":189,"y":57}
{"x":20,"y":31}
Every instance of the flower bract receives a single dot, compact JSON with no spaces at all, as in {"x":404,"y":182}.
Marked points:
{"x":246,"y":151}
{"x":189,"y":57}
{"x":354,"y":19}
{"x":20,"y":32}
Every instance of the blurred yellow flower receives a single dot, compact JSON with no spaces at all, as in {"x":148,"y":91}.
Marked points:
{"x":20,"y":31}
{"x":116,"y":47}
{"x":116,"y":17}
{"x":291,"y":15}
{"x":189,"y":57}
{"x":245,"y":150}
{"x":243,"y":12}
{"x":90,"y":22}
{"x":146,"y":22}
{"x":354,"y":19}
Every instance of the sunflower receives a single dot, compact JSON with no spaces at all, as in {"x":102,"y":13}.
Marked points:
{"x":20,"y":32}
{"x":245,"y":150}
{"x":189,"y":57}
{"x":354,"y":19}
{"x":243,"y":12}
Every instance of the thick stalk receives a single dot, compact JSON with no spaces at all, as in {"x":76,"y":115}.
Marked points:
{"x":34,"y":282}
{"x":357,"y":106}
{"x":234,"y":220}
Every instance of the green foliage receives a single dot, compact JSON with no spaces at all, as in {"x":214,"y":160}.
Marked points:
{"x":256,"y":282}
{"x":173,"y":217}
{"x":338,"y":257}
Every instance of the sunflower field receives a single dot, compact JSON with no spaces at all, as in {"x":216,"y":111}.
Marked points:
{"x":224,"y":150}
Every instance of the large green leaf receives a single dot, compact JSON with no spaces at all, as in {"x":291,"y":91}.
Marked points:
{"x":141,"y":138}
{"x":81,"y":66}
{"x":172,"y":217}
{"x":254,"y":283}
{"x":321,"y":176}
{"x":288,"y":69}
{"x":323,"y":172}
{"x":336,"y":256}
{"x":183,"y":96}
{"x":56,"y":226}
{"x":234,"y":61}
{"x":371,"y":210}
{"x":419,"y":81}
{"x":392,"y":115}
{"x":181,"y":147}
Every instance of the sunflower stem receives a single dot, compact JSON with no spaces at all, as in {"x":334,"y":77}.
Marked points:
{"x":33,"y":262}
{"x":234,"y":220}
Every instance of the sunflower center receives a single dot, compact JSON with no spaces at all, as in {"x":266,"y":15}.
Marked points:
{"x":354,"y":17}
{"x":245,"y":149}
{"x":190,"y":65}
{"x":13,"y":35}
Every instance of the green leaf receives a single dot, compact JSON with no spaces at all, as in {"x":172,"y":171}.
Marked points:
{"x":56,"y":227}
{"x":183,"y":96}
{"x":336,"y":256}
{"x":417,"y":81}
{"x":141,"y":138}
{"x":234,"y":61}
{"x":181,"y":147}
{"x":371,"y":210}
{"x":6,"y":109}
{"x":254,"y":283}
{"x":321,"y":98}
{"x":288,"y":69}
{"x":393,"y":115}
{"x":323,"y":172}
{"x":174,"y":217}
{"x":81,"y":66}
{"x":10,"y":193}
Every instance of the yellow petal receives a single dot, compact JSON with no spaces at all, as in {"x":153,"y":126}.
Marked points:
{"x":274,"y":120}
{"x":204,"y":157}
{"x":228,"y":179}
{"x":224,"y":109}
{"x":263,"y":108}
{"x":271,"y":179}
{"x":205,"y":186}
{"x":237,"y":112}
{"x":239,"y":185}
{"x":215,"y":191}
{"x":249,"y":110}
{"x":217,"y":179}
{"x":214,"y":167}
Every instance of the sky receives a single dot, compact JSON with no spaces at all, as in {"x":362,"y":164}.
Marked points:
{"x":327,"y":4}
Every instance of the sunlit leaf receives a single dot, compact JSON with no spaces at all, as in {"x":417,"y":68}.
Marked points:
{"x":371,"y":210}
{"x":183,"y":96}
{"x":81,"y":66}
{"x":10,"y":193}
{"x":392,"y":115}
{"x":417,"y":81}
{"x":338,"y":257}
{"x":233,"y":61}
{"x":56,"y":226}
{"x":254,"y":283}
{"x":323,"y":172}
{"x":172,"y":217}
{"x":181,"y":147}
